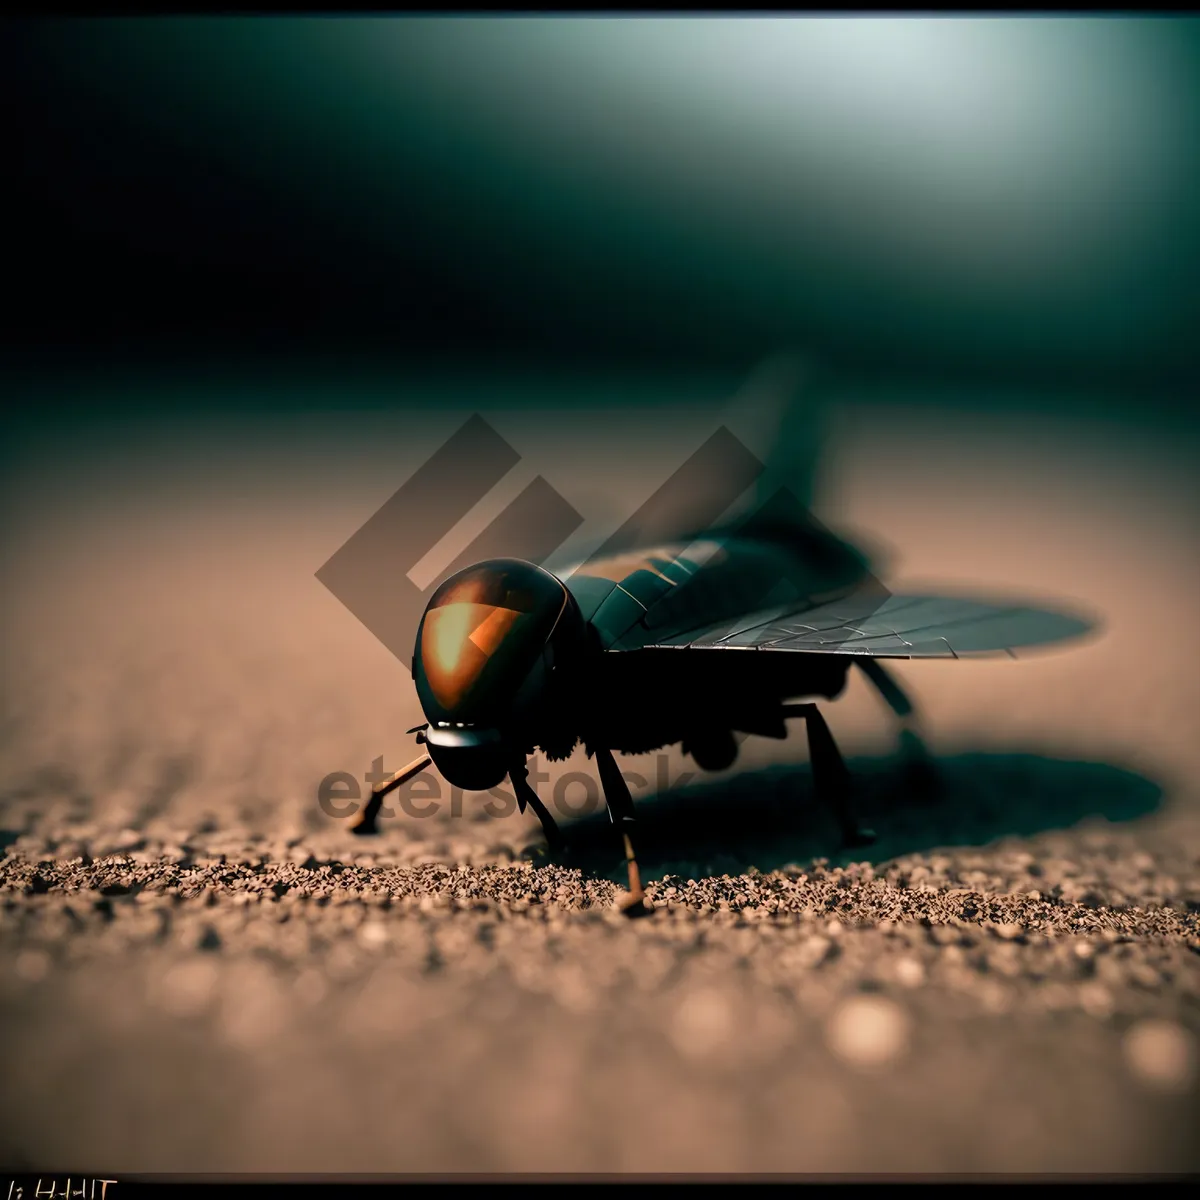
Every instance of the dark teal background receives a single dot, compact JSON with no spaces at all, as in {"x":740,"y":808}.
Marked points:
{"x":1010,"y":199}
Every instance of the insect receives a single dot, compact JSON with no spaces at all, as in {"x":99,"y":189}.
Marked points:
{"x":680,"y":634}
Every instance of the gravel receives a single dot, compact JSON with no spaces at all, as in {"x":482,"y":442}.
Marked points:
{"x":299,"y":1008}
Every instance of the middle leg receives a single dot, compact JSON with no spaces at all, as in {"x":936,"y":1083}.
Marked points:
{"x":527,"y":796}
{"x":620,"y":813}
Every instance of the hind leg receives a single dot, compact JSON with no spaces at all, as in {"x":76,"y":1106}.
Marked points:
{"x":831,"y":776}
{"x":919,"y":773}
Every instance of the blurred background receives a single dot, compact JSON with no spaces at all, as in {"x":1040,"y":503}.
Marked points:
{"x":1013,"y":197}
{"x":258,"y":269}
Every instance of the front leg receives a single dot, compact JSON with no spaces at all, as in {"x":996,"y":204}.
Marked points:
{"x":368,"y":823}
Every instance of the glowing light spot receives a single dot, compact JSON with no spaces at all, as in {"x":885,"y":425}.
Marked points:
{"x":868,"y":1031}
{"x":1161,"y":1055}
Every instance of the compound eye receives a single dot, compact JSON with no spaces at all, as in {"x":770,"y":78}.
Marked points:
{"x":458,"y":643}
{"x":482,"y":634}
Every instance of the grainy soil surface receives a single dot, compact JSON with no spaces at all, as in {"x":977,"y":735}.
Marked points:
{"x":202,"y":971}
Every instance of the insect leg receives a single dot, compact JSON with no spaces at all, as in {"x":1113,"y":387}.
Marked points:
{"x":368,"y":822}
{"x":831,"y":777}
{"x":527,"y":796}
{"x":921,"y":778}
{"x":620,"y":812}
{"x":920,"y":773}
{"x":892,"y":693}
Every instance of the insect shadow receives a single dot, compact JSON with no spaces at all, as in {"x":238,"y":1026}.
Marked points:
{"x":770,"y":817}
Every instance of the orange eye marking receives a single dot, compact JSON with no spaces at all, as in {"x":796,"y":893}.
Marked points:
{"x":490,"y":632}
{"x":447,"y":632}
{"x":457,"y":641}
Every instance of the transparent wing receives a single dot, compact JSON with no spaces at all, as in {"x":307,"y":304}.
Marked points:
{"x":720,"y":587}
{"x":770,"y":440}
{"x":894,"y":626}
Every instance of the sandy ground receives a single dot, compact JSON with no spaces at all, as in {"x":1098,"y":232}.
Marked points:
{"x":204,"y":972}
